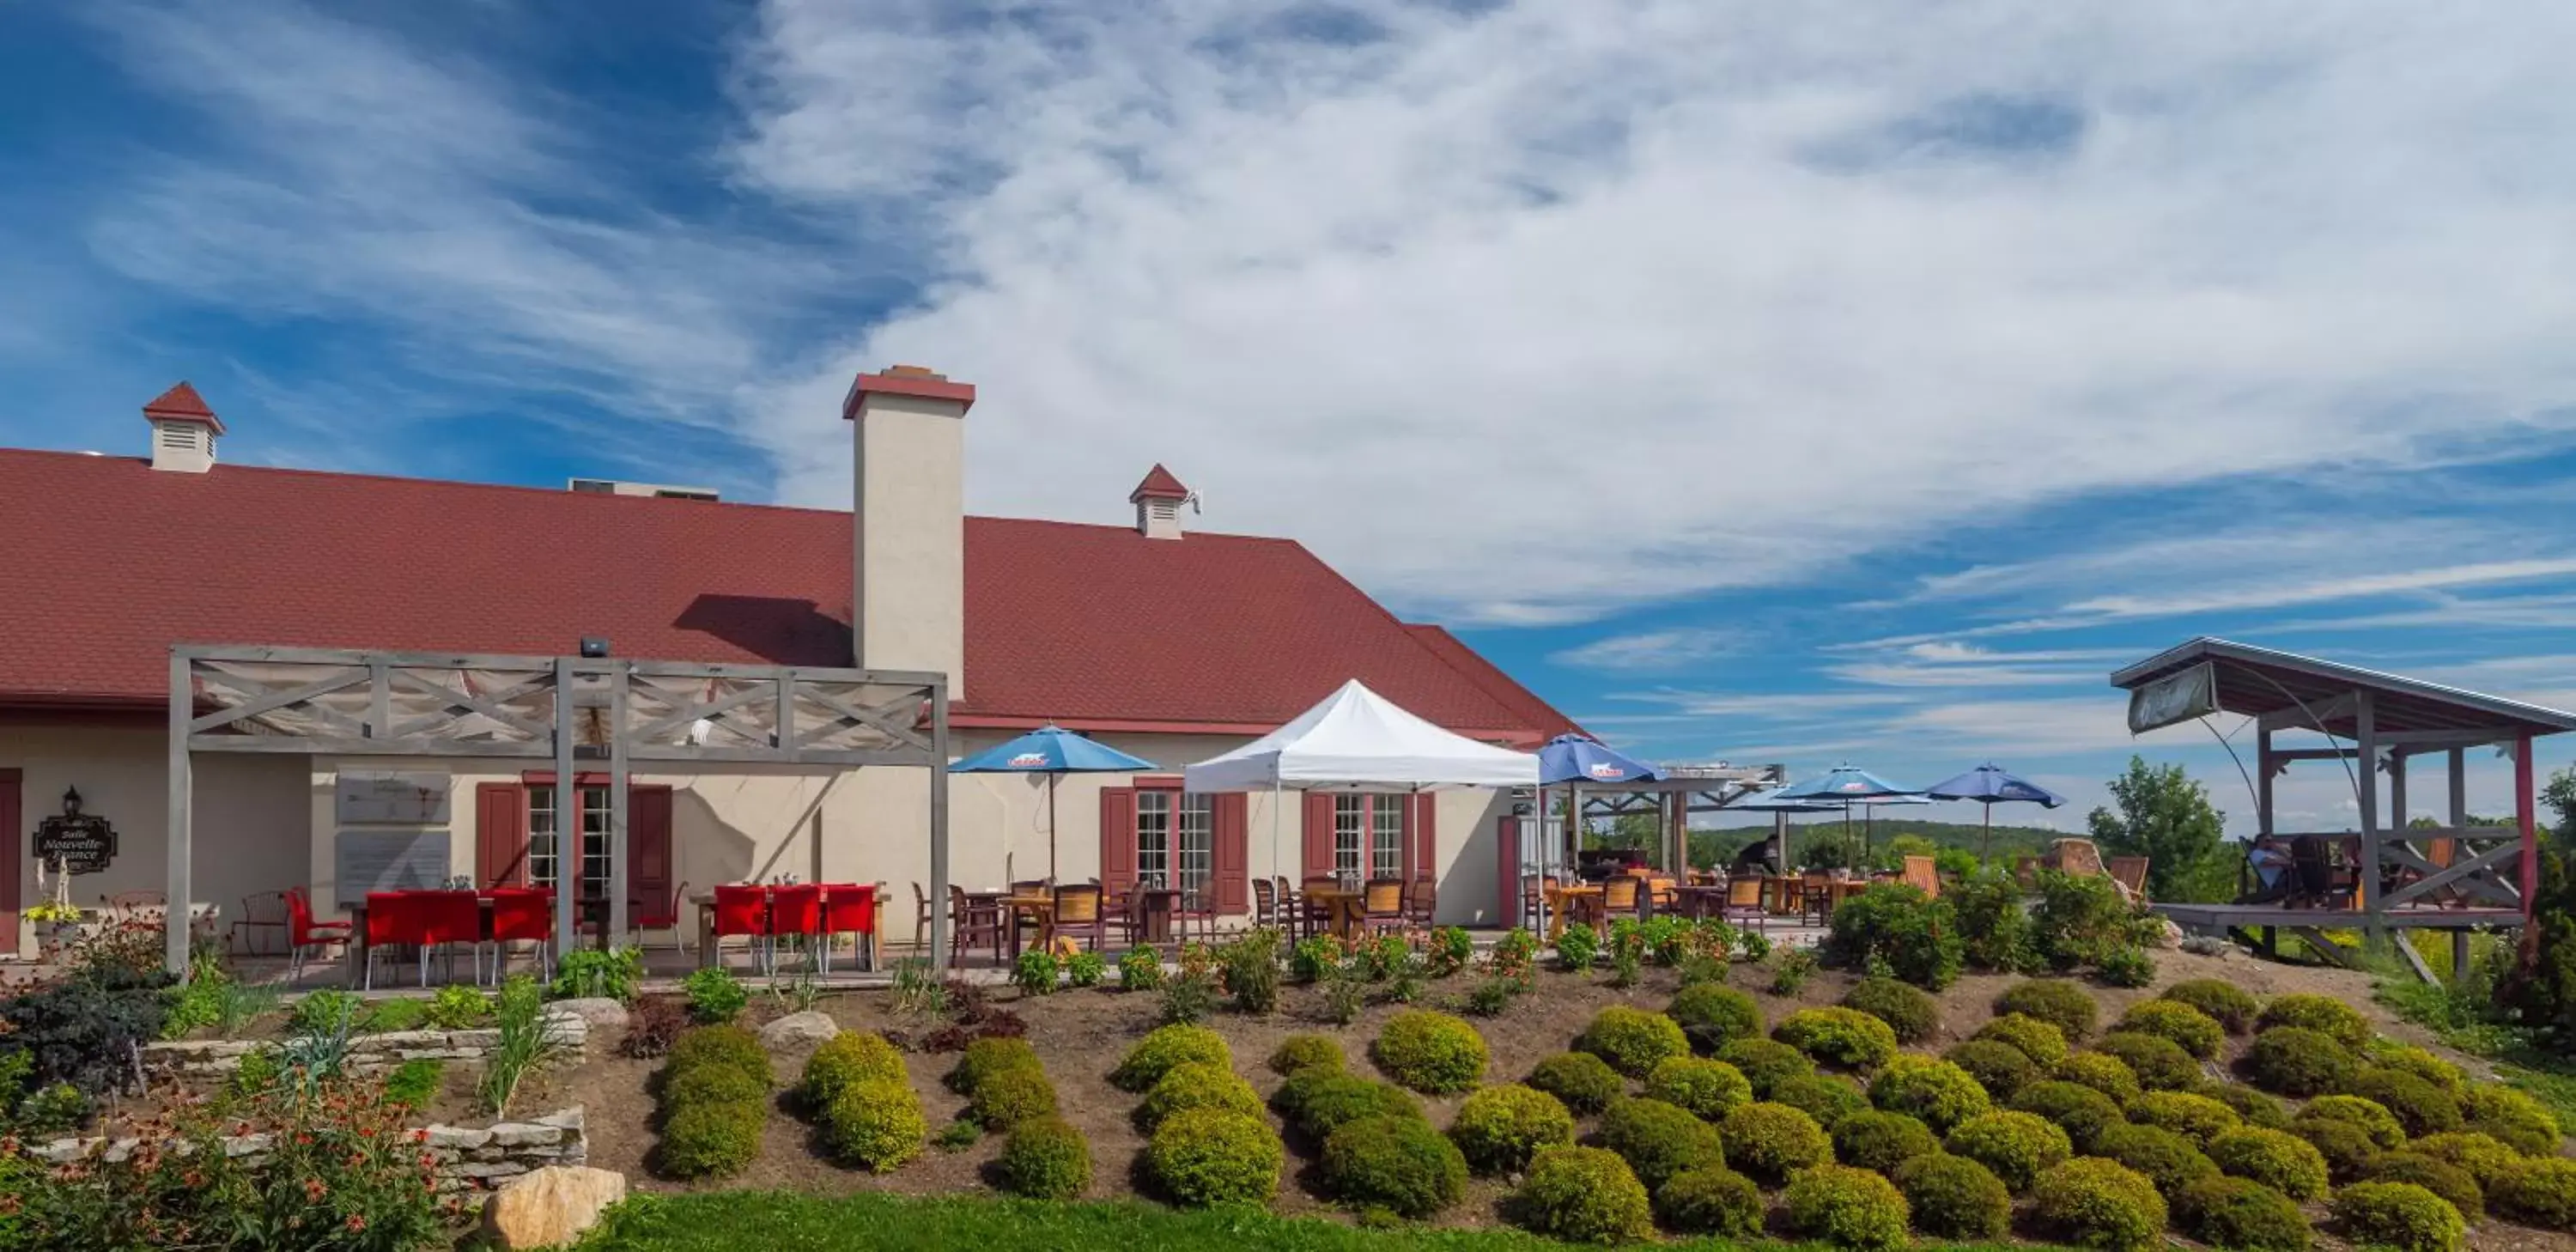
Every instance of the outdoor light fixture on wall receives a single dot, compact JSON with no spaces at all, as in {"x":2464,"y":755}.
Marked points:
{"x":593,"y":647}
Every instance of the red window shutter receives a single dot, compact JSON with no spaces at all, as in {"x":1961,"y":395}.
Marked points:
{"x":1424,"y":851}
{"x":1230,"y":857}
{"x":1117,"y":840}
{"x":648,"y":848}
{"x":501,"y":835}
{"x":1319,"y":834}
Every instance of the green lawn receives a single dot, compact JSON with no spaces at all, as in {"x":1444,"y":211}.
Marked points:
{"x":730,"y":1221}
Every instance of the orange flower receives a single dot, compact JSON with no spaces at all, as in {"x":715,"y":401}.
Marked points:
{"x":314,"y":1190}
{"x":356,"y":1223}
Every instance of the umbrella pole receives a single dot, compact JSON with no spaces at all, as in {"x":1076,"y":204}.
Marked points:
{"x":1050,"y":829}
{"x":1986,"y":846}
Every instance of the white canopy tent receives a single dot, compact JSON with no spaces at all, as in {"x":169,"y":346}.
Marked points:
{"x":1357,"y":740}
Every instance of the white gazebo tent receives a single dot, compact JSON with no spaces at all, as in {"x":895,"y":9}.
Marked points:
{"x":1357,"y":740}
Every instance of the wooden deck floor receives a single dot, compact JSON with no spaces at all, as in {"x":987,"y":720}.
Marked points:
{"x":2242,"y":916}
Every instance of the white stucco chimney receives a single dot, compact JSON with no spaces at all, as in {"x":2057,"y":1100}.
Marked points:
{"x":183,"y":431}
{"x":908,"y":508}
{"x":1158,"y":502}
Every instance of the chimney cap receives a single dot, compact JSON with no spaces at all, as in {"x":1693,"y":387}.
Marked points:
{"x":907,"y":380}
{"x":1159,"y":485}
{"x":181,"y":403}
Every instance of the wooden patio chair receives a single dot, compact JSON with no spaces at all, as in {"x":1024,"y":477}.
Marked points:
{"x":1382,"y":905}
{"x":2131,"y":873}
{"x":1816,"y":897}
{"x":1920,"y":872}
{"x":1622,"y":895}
{"x":920,"y":917}
{"x":1078,"y":914}
{"x":1292,"y":908}
{"x":972,"y":921}
{"x":1744,"y":902}
{"x":2077,"y":857}
{"x":1421,"y":902}
{"x":1265,"y":905}
{"x":1317,"y":913}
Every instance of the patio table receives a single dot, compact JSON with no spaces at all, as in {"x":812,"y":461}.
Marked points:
{"x":1561,"y":898}
{"x":1157,"y":907}
{"x":706,"y":906}
{"x":592,"y":910}
{"x":1698,"y":900}
{"x":1342,"y":907}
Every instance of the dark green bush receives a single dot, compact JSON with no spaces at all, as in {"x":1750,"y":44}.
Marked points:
{"x":1994,"y":931}
{"x":2160,"y":1063}
{"x":2082,"y":920}
{"x":1430,"y":1052}
{"x":711,"y":1084}
{"x":1879,"y":1141}
{"x":2254,"y":1106}
{"x":1710,"y":1200}
{"x":1582,"y":1195}
{"x":2275,"y":1158}
{"x":2540,"y":1192}
{"x":1907,"y":1010}
{"x":1319,"y":1101}
{"x":2016,"y":1146}
{"x":2486,"y":1159}
{"x":1712,"y":1015}
{"x":2511,"y":1117}
{"x":2383,"y":1127}
{"x":2440,"y":1177}
{"x":1999,"y":1067}
{"x":2082,"y":1112}
{"x":854,"y":1056}
{"x":2102,"y":1072}
{"x":1770,"y":1142}
{"x":1164,"y":1047}
{"x":1632,"y":1040}
{"x":2398,"y":1215}
{"x":2297,"y":1062}
{"x":2194,"y":1117}
{"x":2186,"y":1027}
{"x":1195,"y":1085}
{"x":1499,"y":1129}
{"x":716,"y":1139}
{"x":1954,"y":1197}
{"x":2169,"y":1160}
{"x":877,"y":1125}
{"x":1202,"y":1157}
{"x":2326,"y":1015}
{"x":2065,"y":1005}
{"x":1764,"y":1062}
{"x":1585,"y":1082}
{"x":2094,"y":1203}
{"x":1838,"y":1036}
{"x":730,"y":1046}
{"x":2223,"y":1002}
{"x":2345,"y":1145}
{"x":1298,"y":1052}
{"x":1398,"y":1165}
{"x":1659,"y":1140}
{"x":1828,"y":1098}
{"x":1940,"y":1093}
{"x":1916,"y":937}
{"x":1846,"y":1207}
{"x":2039,"y":1040}
{"x":2242,"y":1214}
{"x":1044,"y":1159}
{"x":2129,"y":965}
{"x":1705,"y":1089}
{"x":2422,"y":1107}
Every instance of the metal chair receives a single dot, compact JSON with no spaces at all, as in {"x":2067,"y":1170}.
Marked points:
{"x":797,"y":912}
{"x":522,"y":915}
{"x":667,"y":917}
{"x":972,"y":921}
{"x":305,"y":934}
{"x":261,"y":911}
{"x":742,"y":909}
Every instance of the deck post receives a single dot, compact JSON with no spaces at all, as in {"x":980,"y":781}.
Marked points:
{"x":2526,"y":815}
{"x":618,"y":877}
{"x":939,"y":827}
{"x":567,"y":833}
{"x":2366,"y":793}
{"x":2262,"y":781}
{"x":2397,"y":811}
{"x":183,"y":707}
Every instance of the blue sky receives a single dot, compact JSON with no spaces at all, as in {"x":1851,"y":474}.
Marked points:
{"x":1756,"y":381}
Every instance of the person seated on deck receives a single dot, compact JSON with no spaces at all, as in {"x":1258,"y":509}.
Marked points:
{"x":2271,"y":866}
{"x":1754,"y":859}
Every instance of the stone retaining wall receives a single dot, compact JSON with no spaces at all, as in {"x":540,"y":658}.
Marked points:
{"x":368,"y":1054}
{"x":469,"y":1158}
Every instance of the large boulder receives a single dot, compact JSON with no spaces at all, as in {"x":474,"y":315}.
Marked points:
{"x":798,"y":1030}
{"x":550,"y":1207}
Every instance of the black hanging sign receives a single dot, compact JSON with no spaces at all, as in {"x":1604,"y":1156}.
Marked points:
{"x":82,"y":843}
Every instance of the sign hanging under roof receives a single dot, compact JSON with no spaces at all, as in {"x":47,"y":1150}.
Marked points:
{"x":2177,"y":697}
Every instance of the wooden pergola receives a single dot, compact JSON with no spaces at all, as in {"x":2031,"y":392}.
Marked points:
{"x":1683,"y":791}
{"x":610,"y":712}
{"x":2371,"y":726}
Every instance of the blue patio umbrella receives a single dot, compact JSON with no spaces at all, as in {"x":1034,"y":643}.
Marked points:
{"x":1572,"y":760}
{"x":1847,"y":785}
{"x":1053,"y":751}
{"x":1780,"y":807}
{"x":1990,"y":784}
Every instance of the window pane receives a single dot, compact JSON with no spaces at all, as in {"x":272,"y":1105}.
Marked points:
{"x":541,"y":836}
{"x":1153,"y":838}
{"x":1386,"y":859}
{"x":594,"y":837}
{"x":1198,"y":843}
{"x":1350,"y":813}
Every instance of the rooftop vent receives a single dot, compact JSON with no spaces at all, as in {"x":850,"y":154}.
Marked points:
{"x":613,"y":487}
{"x":183,"y":431}
{"x":1158,"y":502}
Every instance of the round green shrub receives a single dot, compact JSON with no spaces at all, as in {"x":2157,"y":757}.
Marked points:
{"x":1196,"y":1085}
{"x":1908,"y":1010}
{"x":1585,"y":1082}
{"x":1632,"y":1040}
{"x":2275,"y":1158}
{"x":2194,"y":1117}
{"x":1838,"y":1036}
{"x":1713,"y":1015}
{"x":2345,"y":1145}
{"x":1013,"y":1096}
{"x":986,"y":1057}
{"x":2298,"y":1062}
{"x":1829,"y":1098}
{"x":2383,"y":1127}
{"x":2540,"y":1191}
{"x":2440,"y":1177}
{"x":2159,"y":1063}
{"x":875,"y":1125}
{"x":1430,"y":1052}
{"x":2326,"y":1015}
{"x":1846,"y":1207}
{"x":2486,"y":1158}
{"x":1772,"y":1141}
{"x":2421,"y":1063}
{"x":1167,"y":1046}
{"x":2094,"y":1203}
{"x":2182,"y":1025}
{"x":2421,"y":1106}
{"x":1398,"y":1165}
{"x":1710,"y":1200}
{"x":1298,"y":1052}
{"x":1954,"y":1197}
{"x":2257,"y":1108}
{"x":2060,"y":1003}
{"x":1880,"y":1141}
{"x":1044,"y":1158}
{"x":849,"y":1057}
{"x":1997,"y":1066}
{"x":2082,"y":1112}
{"x":2398,"y":1215}
{"x":2169,"y":1160}
{"x":2128,"y":965}
{"x":1319,"y":1101}
{"x":2102,"y":1072}
{"x":1705,"y":1089}
{"x":1582,"y":1195}
{"x":2042,"y":1041}
{"x":1940,"y":1093}
{"x":2511,"y":1117}
{"x":1499,"y":1129}
{"x":2242,"y":1214}
{"x":720,"y":1046}
{"x":1765,"y":1062}
{"x":712,"y":1140}
{"x":1659,"y":1140}
{"x":2231,"y":1006}
{"x":712,"y":1084}
{"x":2016,"y":1146}
{"x":1202,"y":1157}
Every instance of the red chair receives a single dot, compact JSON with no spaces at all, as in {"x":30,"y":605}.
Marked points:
{"x":303,"y":933}
{"x":796,"y":911}
{"x":392,"y":920}
{"x":741,"y":910}
{"x":447,"y":919}
{"x":851,"y":909}
{"x":523,"y":915}
{"x":667,"y":917}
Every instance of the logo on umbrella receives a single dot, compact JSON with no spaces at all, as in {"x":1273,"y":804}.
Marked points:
{"x":1028,"y":760}
{"x":1604,"y":769}
{"x":1853,"y":786}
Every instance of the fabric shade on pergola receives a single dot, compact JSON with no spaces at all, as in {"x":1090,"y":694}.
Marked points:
{"x":1989,"y":785}
{"x":1053,"y":751}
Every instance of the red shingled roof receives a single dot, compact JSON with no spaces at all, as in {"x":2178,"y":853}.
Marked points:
{"x":181,"y":403}
{"x":108,"y":562}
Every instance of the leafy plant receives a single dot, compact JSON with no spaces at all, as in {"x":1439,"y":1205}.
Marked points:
{"x":1500,"y":1128}
{"x":957,"y":1136}
{"x":1994,"y":931}
{"x":1380,"y":958}
{"x":1577,"y":948}
{"x":917,"y":991}
{"x":1140,"y":969}
{"x":1086,"y":969}
{"x":1938,"y":1092}
{"x":1188,"y":997}
{"x":651,"y":1026}
{"x":1036,"y":972}
{"x":715,"y":996}
{"x":1584,"y":1082}
{"x":1513,"y":955}
{"x":458,"y":1007}
{"x":1430,"y":1052}
{"x":1251,"y":967}
{"x":590,"y":974}
{"x":1395,"y":1165}
{"x":1632,"y":1040}
{"x":1211,"y":1156}
{"x":414,"y":1083}
{"x":1956,"y":1197}
{"x":1345,"y":994}
{"x":2016,"y":1146}
{"x":2080,"y":919}
{"x":1493,"y":995}
{"x":1917,"y":936}
{"x":1044,"y":1159}
{"x":1314,"y":958}
{"x":1450,"y":950}
{"x":1790,"y":973}
{"x":397,"y":1016}
{"x":316,"y":1048}
{"x":1659,"y":1140}
{"x":1850,"y":1208}
{"x":524,"y":1043}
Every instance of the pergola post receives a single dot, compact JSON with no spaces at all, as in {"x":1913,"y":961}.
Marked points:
{"x":617,"y":795}
{"x":2526,"y":814}
{"x":2366,"y":788}
{"x":567,"y":833}
{"x":176,"y":917}
{"x":938,"y":826}
{"x":2458,"y":770}
{"x":2263,"y":770}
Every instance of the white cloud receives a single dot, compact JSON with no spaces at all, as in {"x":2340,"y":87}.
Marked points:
{"x":1650,"y":650}
{"x":1957,"y":675}
{"x":1767,"y":704}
